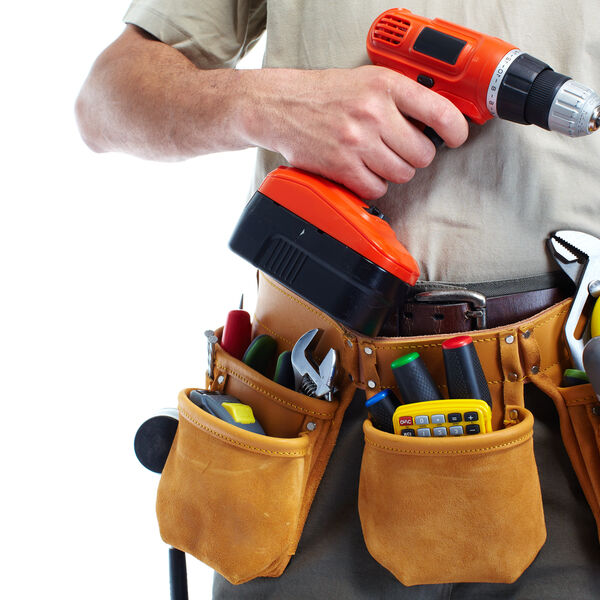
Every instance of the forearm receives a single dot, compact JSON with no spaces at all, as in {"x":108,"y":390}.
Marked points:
{"x":351,"y":125}
{"x":145,"y":98}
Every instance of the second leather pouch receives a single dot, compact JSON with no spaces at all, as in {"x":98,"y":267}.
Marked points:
{"x":467,"y":509}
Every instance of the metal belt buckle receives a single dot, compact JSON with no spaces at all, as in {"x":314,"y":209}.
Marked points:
{"x":476,"y":301}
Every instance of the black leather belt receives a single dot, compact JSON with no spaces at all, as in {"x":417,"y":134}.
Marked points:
{"x":456,"y":310}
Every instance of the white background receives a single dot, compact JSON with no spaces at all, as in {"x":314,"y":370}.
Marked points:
{"x":111,"y":269}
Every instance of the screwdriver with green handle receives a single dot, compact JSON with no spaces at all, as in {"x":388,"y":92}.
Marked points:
{"x":414,"y":381}
{"x":260,"y":354}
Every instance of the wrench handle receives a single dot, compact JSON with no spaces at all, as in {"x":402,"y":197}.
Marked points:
{"x":574,"y":343}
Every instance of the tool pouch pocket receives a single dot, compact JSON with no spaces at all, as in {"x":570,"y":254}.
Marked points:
{"x":465,"y":509}
{"x":579,"y":412}
{"x":234,"y":499}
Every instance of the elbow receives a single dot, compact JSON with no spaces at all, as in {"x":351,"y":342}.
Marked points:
{"x":88,"y":128}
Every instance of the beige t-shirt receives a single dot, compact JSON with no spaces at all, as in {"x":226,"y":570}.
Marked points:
{"x":481,"y":212}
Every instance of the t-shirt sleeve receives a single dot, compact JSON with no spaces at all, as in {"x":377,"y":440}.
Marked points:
{"x":211,"y":33}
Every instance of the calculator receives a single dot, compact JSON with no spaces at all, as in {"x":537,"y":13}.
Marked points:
{"x":443,"y":418}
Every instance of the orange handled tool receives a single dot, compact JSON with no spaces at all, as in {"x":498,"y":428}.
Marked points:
{"x":482,"y":75}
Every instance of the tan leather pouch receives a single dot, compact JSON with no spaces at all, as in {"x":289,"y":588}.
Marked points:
{"x":229,"y":497}
{"x":545,"y":357}
{"x":579,"y":413}
{"x":237,"y":500}
{"x":452,"y":510}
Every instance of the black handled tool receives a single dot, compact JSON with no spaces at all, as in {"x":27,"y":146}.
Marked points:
{"x":381,"y":408}
{"x":413,"y":379}
{"x":464,"y":374}
{"x":284,"y":371}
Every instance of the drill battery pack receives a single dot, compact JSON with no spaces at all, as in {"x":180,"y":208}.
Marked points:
{"x":320,"y":241}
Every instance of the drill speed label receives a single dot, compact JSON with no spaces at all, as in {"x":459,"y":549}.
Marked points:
{"x":497,"y":77}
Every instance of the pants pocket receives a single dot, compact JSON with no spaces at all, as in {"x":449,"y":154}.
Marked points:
{"x":465,"y":509}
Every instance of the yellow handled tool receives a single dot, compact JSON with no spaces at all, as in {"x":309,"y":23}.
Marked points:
{"x":595,"y":320}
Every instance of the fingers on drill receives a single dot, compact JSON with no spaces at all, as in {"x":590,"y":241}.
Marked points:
{"x":389,"y":164}
{"x":361,"y":180}
{"x":394,"y":159}
{"x":406,"y":141}
{"x":432,"y":110}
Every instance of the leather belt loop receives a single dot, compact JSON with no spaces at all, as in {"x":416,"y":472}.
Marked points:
{"x":510,"y":357}
{"x":350,"y":359}
{"x":530,"y":350}
{"x":368,"y":367}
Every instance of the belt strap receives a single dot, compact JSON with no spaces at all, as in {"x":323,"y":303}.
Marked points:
{"x":509,"y":354}
{"x":432,"y":317}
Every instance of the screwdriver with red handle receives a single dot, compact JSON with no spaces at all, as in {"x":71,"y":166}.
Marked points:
{"x":464,"y":373}
{"x":237,"y":333}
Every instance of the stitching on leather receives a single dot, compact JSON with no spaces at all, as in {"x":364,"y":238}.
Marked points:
{"x":552,"y":317}
{"x":404,"y":346}
{"x":581,"y":401}
{"x":260,"y":389}
{"x":271,"y":332}
{"x":557,"y":363}
{"x":230,"y":440}
{"x":451,"y":452}
{"x":308,"y":307}
{"x":418,"y":346}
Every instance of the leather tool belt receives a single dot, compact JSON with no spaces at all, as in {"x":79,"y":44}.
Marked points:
{"x":238,"y":501}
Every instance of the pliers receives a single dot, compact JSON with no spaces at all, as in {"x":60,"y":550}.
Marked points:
{"x":578,"y":255}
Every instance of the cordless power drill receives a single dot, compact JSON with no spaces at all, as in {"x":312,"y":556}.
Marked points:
{"x":482,"y":75}
{"x":326,"y":245}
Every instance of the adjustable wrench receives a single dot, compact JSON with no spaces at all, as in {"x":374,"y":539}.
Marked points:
{"x":578,"y":255}
{"x":312,"y":379}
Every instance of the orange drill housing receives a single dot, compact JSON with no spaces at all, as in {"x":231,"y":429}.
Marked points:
{"x":456,"y":62}
{"x":342,"y":215}
{"x":323,"y":243}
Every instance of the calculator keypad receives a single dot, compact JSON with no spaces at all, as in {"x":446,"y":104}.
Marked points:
{"x":443,"y":418}
{"x":441,"y":425}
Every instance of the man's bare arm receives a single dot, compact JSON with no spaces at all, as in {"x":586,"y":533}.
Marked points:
{"x":351,"y":125}
{"x":145,"y":98}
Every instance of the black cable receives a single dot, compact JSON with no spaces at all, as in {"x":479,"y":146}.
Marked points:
{"x":178,"y":574}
